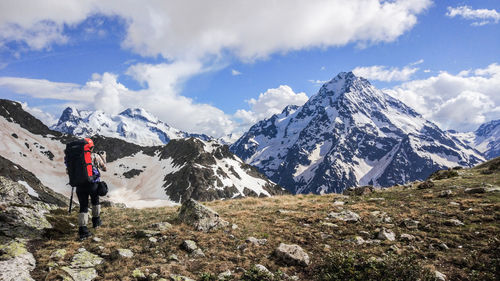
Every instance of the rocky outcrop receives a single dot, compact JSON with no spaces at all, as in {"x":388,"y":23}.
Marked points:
{"x":292,"y":255}
{"x":200,"y":217}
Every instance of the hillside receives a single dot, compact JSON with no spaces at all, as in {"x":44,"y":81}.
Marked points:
{"x":449,"y":224}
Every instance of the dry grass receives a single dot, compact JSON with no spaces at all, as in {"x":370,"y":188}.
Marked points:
{"x":299,"y":220}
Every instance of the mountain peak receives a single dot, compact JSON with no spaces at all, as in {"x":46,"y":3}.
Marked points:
{"x":139,"y":113}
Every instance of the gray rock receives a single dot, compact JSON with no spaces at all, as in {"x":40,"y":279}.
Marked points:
{"x":386,"y":234}
{"x":161,"y":226}
{"x":358,"y":240}
{"x":439,"y":276}
{"x":82,"y":266}
{"x":173,"y":257}
{"x":143,"y":233}
{"x":346,"y":215}
{"x":138,"y":274}
{"x":474,"y":190}
{"x":263,"y":269}
{"x":200,"y":217}
{"x":256,"y":242}
{"x":338,"y":203}
{"x":58,"y":254}
{"x":16,"y":262}
{"x":453,"y":222}
{"x":443,"y":246}
{"x":292,"y":254}
{"x":407,"y":237}
{"x":121,"y":253}
{"x":329,"y":224}
{"x":225,"y":274}
{"x":410,"y":224}
{"x":152,"y":240}
{"x":189,"y":245}
{"x":445,"y":193}
{"x":375,"y":199}
{"x":198,"y":253}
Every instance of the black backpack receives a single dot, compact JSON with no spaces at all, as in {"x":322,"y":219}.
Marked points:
{"x":78,"y":159}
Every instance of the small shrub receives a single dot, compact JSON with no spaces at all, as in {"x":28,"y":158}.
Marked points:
{"x":444,"y":174}
{"x":353,"y":266}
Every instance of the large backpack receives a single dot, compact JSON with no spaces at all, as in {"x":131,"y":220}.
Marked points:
{"x":78,"y":159}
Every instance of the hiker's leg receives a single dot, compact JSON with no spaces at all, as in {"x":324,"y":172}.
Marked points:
{"x":83,"y":216}
{"x":96,"y":207}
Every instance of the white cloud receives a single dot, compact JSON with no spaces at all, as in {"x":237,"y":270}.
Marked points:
{"x":198,"y":28}
{"x":162,"y":83}
{"x":235,"y":72}
{"x":384,"y":73}
{"x":318,"y":82}
{"x":46,"y":118}
{"x":479,"y":16}
{"x":460,"y":102}
{"x":271,"y":102}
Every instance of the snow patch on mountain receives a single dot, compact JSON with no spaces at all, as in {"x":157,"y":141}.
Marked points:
{"x":485,"y":139}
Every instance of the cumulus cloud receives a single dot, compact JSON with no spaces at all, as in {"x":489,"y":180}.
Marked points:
{"x":175,"y":30}
{"x":271,"y":102}
{"x":460,"y":102}
{"x":235,"y":72}
{"x":46,"y":118}
{"x":386,"y":74}
{"x":479,"y":16}
{"x":162,"y":83}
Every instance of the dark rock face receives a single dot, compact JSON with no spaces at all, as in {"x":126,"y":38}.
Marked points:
{"x":349,"y":134}
{"x":17,"y":173}
{"x":197,"y":176}
{"x":13,"y":112}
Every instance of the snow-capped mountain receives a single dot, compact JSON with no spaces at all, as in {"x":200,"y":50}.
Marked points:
{"x":134,"y":125}
{"x":486,"y":139}
{"x":138,"y":176}
{"x":349,"y":134}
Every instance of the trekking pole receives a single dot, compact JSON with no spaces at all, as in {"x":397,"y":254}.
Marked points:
{"x":71,"y":200}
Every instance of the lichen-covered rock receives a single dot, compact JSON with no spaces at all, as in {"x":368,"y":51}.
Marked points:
{"x":138,"y":274}
{"x":161,"y":226}
{"x":189,"y":245}
{"x":82,"y":266}
{"x":292,"y":254}
{"x":346,"y":215}
{"x":58,"y":254}
{"x":175,"y":277}
{"x":15,"y":261}
{"x":200,"y":217}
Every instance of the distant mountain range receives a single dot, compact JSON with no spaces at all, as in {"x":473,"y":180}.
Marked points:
{"x":350,"y":134}
{"x":486,"y":139}
{"x":134,"y":125}
{"x":138,"y":176}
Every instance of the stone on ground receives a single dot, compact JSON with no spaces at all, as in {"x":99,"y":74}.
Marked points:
{"x":386,"y":234}
{"x":200,"y":217}
{"x":292,"y":254}
{"x":346,"y":215}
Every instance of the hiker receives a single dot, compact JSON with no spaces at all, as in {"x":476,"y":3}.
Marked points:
{"x":84,"y":172}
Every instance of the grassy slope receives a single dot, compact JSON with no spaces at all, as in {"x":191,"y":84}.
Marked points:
{"x":473,"y":248}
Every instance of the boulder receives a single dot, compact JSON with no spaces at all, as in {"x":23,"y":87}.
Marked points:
{"x":346,"y":215}
{"x":475,"y":190}
{"x":82,"y":266}
{"x":200,"y":217}
{"x":386,"y":234}
{"x":292,"y":255}
{"x":15,"y":261}
{"x":445,"y":193}
{"x":410,"y":224}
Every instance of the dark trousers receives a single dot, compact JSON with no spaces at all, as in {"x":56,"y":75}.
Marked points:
{"x":83,"y":192}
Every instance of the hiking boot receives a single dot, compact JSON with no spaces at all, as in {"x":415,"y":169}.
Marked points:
{"x":84,"y":232}
{"x":96,"y":222}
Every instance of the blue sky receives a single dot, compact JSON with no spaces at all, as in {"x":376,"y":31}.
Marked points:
{"x":202,"y":69}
